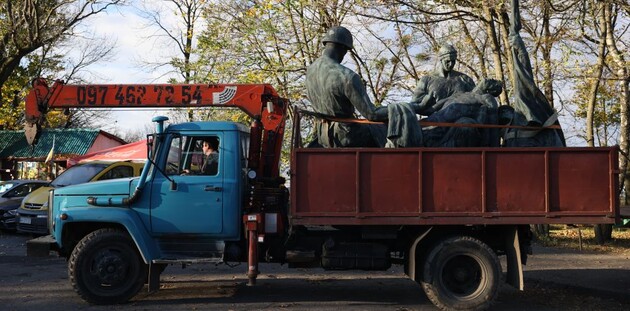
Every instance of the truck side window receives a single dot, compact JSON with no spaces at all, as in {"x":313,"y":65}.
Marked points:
{"x":194,"y":155}
{"x":174,"y":157}
{"x":205,"y":156}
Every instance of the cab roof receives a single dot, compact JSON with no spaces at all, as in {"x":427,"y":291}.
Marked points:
{"x":208,"y":126}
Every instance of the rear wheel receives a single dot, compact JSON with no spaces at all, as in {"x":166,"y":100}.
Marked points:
{"x":461,"y":273}
{"x":106,"y":268}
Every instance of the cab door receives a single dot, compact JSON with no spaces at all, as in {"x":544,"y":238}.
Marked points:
{"x":190,"y":202}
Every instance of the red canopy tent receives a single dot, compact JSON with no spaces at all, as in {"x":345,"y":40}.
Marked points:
{"x":130,"y":152}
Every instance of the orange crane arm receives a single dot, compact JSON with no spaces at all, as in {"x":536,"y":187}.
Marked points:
{"x":259,"y":101}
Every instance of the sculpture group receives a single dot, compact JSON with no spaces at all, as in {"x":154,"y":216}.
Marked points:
{"x":451,"y":99}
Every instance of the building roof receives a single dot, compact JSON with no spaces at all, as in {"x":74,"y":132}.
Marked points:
{"x":68,"y":142}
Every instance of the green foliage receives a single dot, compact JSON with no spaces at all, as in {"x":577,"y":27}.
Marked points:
{"x":606,"y":109}
{"x":273,"y":42}
{"x":607,"y":112}
{"x":17,"y":85}
{"x":30,"y":30}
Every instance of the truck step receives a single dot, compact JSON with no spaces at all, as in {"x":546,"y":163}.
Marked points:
{"x":191,"y":248}
{"x":187,"y":261}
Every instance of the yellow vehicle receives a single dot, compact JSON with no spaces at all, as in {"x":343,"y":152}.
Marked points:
{"x":32,"y":216}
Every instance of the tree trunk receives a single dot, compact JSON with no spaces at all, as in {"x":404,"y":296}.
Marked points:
{"x":601,"y":59}
{"x":622,"y":72}
{"x":603,"y":233}
{"x":547,"y":45}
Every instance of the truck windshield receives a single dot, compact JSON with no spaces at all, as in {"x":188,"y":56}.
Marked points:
{"x":78,"y":174}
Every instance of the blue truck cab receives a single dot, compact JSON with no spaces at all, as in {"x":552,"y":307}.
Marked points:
{"x":171,"y":213}
{"x":175,"y":201}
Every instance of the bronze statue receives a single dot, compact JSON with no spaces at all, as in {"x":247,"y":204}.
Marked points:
{"x":476,"y":107}
{"x":531,"y":107}
{"x":484,"y":93}
{"x":335,"y":90}
{"x":441,"y":83}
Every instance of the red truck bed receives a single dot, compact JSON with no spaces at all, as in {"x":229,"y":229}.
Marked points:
{"x":454,"y":186}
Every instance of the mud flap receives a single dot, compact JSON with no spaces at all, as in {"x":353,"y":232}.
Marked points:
{"x":513,"y":257}
{"x":411,"y":263}
{"x":154,"y":277}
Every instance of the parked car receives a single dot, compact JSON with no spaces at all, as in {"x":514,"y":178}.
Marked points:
{"x":12,"y":192}
{"x":33,"y":212}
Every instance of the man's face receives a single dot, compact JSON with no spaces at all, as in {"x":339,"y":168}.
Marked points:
{"x":205,"y":147}
{"x":448,"y":61}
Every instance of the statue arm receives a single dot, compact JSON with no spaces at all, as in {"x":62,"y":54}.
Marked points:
{"x":520,"y":55}
{"x":489,"y":101}
{"x":356,"y":93}
{"x":422,"y":100}
{"x":420,"y":92}
{"x":515,"y":26}
{"x":469,"y":82}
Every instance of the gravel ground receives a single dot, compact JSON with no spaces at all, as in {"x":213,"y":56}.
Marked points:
{"x":555,"y":279}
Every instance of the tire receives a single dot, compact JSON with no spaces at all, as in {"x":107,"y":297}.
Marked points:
{"x":106,"y":268}
{"x":461,"y":273}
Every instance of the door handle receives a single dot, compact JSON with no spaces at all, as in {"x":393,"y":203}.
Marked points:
{"x":212,"y":188}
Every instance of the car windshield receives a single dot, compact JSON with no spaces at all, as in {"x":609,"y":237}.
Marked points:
{"x":5,"y":186}
{"x":78,"y":174}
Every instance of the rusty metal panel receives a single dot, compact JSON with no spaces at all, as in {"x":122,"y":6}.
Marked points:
{"x":389,"y":182}
{"x":454,"y":186}
{"x":578,"y":181}
{"x":326,"y":183}
{"x":516,"y":182}
{"x":452,"y":182}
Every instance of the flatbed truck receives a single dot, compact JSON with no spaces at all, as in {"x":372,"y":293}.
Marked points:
{"x":445,"y":214}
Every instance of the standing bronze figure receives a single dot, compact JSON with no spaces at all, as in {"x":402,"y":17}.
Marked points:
{"x":531,"y":107}
{"x":335,"y":90}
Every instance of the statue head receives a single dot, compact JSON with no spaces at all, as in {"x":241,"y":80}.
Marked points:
{"x":489,"y":86}
{"x":447,"y":56}
{"x":447,"y":50}
{"x":339,"y":35}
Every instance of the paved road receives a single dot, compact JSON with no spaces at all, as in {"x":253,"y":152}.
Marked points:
{"x":555,"y":280}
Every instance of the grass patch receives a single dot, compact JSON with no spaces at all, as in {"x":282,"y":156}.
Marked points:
{"x":568,"y":237}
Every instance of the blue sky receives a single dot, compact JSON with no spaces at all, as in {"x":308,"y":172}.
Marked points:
{"x":132,"y":47}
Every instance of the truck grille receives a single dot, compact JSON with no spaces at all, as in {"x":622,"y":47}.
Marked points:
{"x":32,"y":205}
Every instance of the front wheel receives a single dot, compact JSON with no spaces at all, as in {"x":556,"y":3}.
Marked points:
{"x":106,"y":268}
{"x":461,"y":273}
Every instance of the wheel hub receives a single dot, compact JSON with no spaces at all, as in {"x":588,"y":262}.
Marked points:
{"x":461,"y":275}
{"x":111,"y":268}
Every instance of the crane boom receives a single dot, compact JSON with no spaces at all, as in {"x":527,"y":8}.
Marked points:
{"x":260,"y":101}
